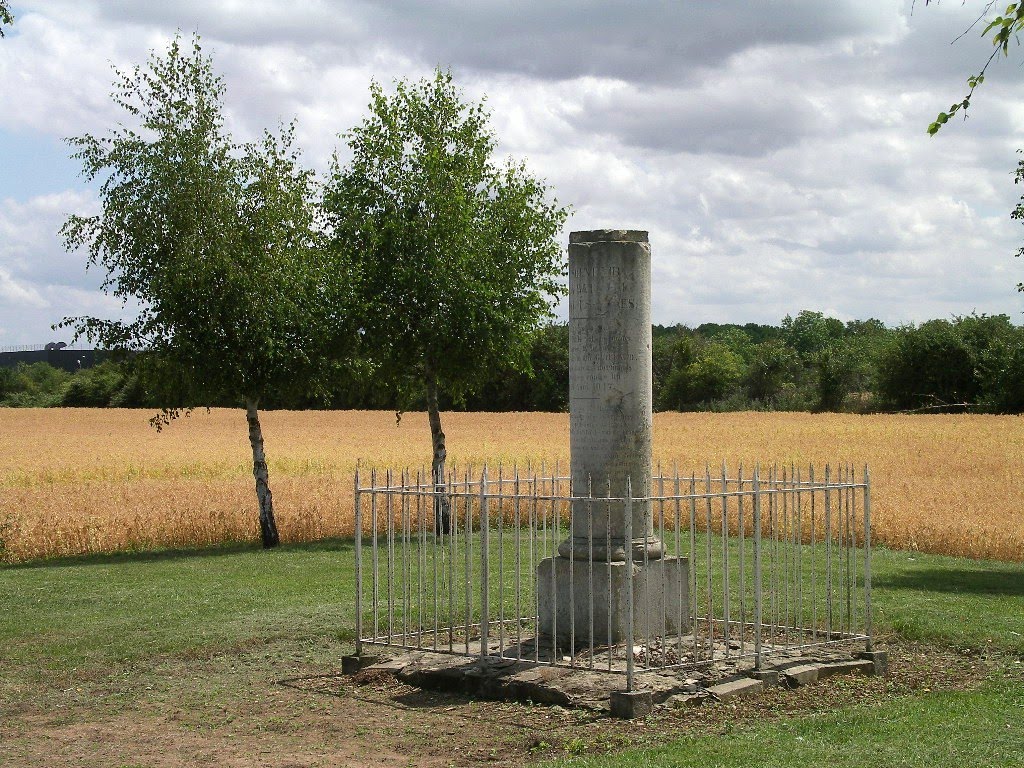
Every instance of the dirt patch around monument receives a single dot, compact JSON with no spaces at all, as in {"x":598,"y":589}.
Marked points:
{"x":285,"y":704}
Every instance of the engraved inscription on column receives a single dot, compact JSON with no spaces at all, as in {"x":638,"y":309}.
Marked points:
{"x":610,"y":381}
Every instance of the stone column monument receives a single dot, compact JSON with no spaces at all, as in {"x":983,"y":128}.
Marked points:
{"x":610,"y":425}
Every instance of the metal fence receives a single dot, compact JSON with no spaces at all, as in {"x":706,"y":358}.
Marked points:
{"x":776,"y":561}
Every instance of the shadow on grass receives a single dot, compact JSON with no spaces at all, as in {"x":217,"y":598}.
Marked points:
{"x":163,"y":555}
{"x":966,"y":581}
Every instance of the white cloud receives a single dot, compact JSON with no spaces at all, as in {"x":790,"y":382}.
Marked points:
{"x":777,"y":153}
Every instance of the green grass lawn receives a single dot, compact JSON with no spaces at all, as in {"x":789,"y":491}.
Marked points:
{"x":87,"y":615}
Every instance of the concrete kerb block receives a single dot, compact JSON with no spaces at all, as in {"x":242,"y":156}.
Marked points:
{"x":735,"y":689}
{"x":879,"y":658}
{"x":801,"y":674}
{"x":630,"y":705}
{"x":766,"y":676}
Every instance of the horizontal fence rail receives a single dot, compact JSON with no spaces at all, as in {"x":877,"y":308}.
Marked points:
{"x":751,"y":566}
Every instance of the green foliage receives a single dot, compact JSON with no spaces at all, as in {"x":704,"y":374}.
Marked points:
{"x":94,"y":387}
{"x":456,"y":257}
{"x":835,"y":367}
{"x":810,"y":333}
{"x":773,"y":366}
{"x":216,"y":241}
{"x":6,"y":17}
{"x":32,"y":385}
{"x":544,"y":387}
{"x":701,"y":375}
{"x":1004,"y":27}
{"x":931,"y":366}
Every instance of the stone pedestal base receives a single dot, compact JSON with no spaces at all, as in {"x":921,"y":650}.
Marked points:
{"x":660,"y":599}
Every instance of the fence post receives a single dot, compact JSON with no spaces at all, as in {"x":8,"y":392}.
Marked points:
{"x":359,"y":566}
{"x":629,"y":590}
{"x":484,"y":567}
{"x":867,"y":557}
{"x":757,"y":568}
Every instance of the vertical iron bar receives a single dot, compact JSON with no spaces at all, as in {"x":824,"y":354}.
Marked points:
{"x":485,"y":567}
{"x":629,"y":589}
{"x":799,"y":548}
{"x":707,"y":561}
{"x":375,"y":556}
{"x":774,"y":505}
{"x":554,"y":554}
{"x":828,"y":552}
{"x":693,"y":564}
{"x":741,"y":525}
{"x":437,"y":546}
{"x":572,"y":576}
{"x":662,"y":618}
{"x":789,"y":551}
{"x":850,"y":544}
{"x":590,"y":565}
{"x":517,"y":510}
{"x":608,"y":558}
{"x":757,"y":569}
{"x":359,"y":566}
{"x":501,"y":561}
{"x":422,"y":558}
{"x":389,"y":505}
{"x":453,"y":538}
{"x":534,"y":525}
{"x":406,"y":556}
{"x":867,"y":557}
{"x":645,"y":560}
{"x":814,"y":558}
{"x":678,"y":569}
{"x":467,"y":542}
{"x":725,"y":561}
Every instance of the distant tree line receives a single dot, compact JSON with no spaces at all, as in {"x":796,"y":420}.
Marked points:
{"x":809,"y":362}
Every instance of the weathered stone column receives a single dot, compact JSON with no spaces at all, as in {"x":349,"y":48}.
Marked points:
{"x":610,"y":406}
{"x":610,"y":429}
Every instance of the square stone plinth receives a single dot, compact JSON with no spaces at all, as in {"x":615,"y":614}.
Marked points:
{"x":661,"y":604}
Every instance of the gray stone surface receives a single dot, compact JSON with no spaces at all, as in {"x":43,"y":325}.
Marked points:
{"x":850,"y":667}
{"x":879,"y":659}
{"x":631,"y":704}
{"x":610,"y":390}
{"x":767,"y":676}
{"x":800,"y":674}
{"x":496,"y":677}
{"x":734,"y":689}
{"x":660,"y":599}
{"x":608,"y":235}
{"x":610,"y":433}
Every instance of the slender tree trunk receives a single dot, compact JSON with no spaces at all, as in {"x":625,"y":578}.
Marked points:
{"x":442,"y":505}
{"x":268,"y":528}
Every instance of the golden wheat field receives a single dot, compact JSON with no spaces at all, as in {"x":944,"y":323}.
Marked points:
{"x":77,"y":480}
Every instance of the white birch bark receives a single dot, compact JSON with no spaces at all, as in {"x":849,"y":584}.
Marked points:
{"x":442,"y":505}
{"x":268,"y":528}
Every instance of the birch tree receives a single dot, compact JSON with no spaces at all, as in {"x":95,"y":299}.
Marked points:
{"x":6,"y":17}
{"x":217,"y":242}
{"x":456,"y":255}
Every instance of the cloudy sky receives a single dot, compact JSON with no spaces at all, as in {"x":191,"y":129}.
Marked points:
{"x":775,"y":150}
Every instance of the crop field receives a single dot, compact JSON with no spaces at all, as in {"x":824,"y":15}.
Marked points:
{"x":77,"y":481}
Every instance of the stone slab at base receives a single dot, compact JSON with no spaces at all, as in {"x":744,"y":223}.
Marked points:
{"x":879,"y":658}
{"x":629,"y":705}
{"x":661,"y":604}
{"x":767,"y":676}
{"x":735,"y":689}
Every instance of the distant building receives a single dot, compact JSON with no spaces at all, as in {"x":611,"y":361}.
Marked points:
{"x":56,"y":353}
